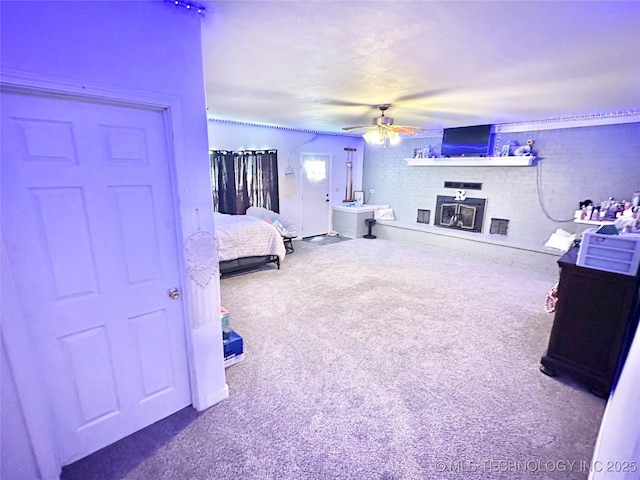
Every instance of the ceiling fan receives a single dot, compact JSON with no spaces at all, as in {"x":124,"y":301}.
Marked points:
{"x":383,"y":130}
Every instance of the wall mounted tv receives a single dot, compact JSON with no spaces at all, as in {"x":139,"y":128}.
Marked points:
{"x":466,"y":141}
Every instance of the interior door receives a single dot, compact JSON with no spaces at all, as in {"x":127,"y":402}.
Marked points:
{"x":316,"y":203}
{"x":89,"y":223}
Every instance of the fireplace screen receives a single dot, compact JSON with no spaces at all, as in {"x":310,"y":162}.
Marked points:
{"x":458,"y":215}
{"x":466,"y":214}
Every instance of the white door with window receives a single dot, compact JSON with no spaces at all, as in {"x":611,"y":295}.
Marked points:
{"x":89,"y":224}
{"x":315,"y":199}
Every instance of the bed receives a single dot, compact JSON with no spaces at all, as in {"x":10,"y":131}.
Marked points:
{"x":245,"y":242}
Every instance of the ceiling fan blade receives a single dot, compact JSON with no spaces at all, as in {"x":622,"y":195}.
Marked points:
{"x":356,"y":128}
{"x":346,"y":103}
{"x":383,"y":123}
{"x":403,"y":129}
{"x":410,"y":127}
{"x":407,"y":130}
{"x":421,"y":95}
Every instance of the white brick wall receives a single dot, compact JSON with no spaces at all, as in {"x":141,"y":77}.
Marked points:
{"x":574,"y":164}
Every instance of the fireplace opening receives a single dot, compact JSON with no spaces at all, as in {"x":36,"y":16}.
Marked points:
{"x":460,"y":214}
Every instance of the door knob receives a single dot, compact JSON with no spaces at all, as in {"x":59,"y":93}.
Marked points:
{"x":174,"y":293}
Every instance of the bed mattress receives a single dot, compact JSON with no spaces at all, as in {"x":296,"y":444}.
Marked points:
{"x":240,"y":236}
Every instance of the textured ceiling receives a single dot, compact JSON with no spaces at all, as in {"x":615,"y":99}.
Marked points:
{"x":324,"y":65}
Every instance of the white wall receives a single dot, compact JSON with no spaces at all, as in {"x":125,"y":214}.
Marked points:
{"x":617,"y":452}
{"x":145,"y":48}
{"x":290,"y":145}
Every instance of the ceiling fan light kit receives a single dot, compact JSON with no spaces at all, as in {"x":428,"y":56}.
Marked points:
{"x":382,"y":130}
{"x":380,"y":136}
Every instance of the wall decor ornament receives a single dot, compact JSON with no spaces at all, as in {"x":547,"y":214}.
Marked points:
{"x":200,"y":253}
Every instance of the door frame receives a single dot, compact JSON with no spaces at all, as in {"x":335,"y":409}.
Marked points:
{"x":201,"y":344}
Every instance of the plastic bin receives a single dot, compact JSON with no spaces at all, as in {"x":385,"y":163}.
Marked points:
{"x":611,"y":253}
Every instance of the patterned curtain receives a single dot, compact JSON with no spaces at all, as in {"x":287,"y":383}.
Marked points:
{"x":243,"y":179}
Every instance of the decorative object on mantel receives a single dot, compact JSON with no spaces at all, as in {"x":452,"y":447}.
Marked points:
{"x":517,"y":150}
{"x":522,"y":151}
{"x":348,"y":194}
{"x":426,"y":152}
{"x":383,"y":131}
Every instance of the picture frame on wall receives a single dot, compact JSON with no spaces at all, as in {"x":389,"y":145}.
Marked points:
{"x":358,"y":197}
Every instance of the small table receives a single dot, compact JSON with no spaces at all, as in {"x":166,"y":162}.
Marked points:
{"x":288,"y":244}
{"x":370,"y":222}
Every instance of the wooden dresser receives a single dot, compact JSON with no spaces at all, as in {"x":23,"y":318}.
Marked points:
{"x":595,"y":319}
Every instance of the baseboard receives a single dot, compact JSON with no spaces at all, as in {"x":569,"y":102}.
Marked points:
{"x":216,"y":397}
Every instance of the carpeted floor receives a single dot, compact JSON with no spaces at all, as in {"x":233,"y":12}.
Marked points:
{"x":371,"y":359}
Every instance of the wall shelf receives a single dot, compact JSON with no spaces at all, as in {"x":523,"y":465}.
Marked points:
{"x":472,"y":162}
{"x":593,"y":222}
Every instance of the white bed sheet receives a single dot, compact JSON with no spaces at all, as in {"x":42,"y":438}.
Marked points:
{"x":240,"y":236}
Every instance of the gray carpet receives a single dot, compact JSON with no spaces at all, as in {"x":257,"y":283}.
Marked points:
{"x":370,"y":359}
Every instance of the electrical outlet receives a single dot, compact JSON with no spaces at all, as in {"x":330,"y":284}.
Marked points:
{"x":372,"y":191}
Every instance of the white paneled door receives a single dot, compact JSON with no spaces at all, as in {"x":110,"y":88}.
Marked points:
{"x":89,"y":223}
{"x":315,"y":199}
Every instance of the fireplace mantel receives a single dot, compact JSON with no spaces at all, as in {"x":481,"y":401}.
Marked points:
{"x":512,"y":161}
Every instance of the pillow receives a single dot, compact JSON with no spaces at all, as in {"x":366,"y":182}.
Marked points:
{"x":263,"y":216}
{"x":560,"y":240}
{"x":281,"y":230}
{"x":268,"y":218}
{"x":383,"y":214}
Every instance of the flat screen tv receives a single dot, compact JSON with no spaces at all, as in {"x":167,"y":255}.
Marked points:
{"x":466,"y":141}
